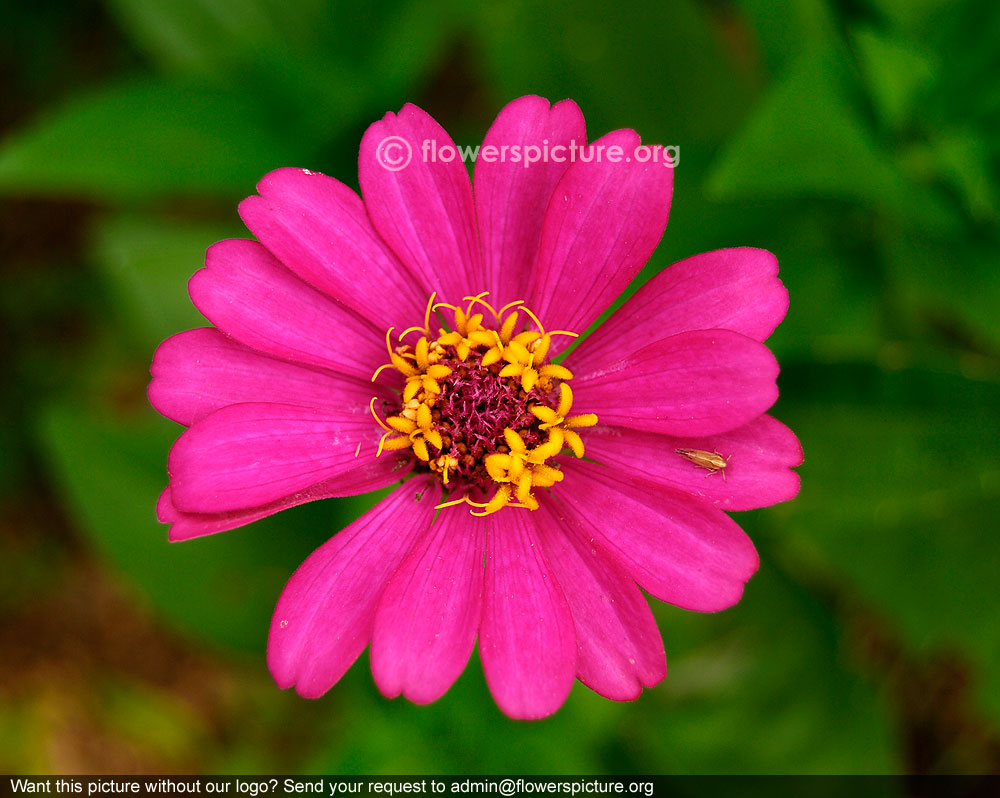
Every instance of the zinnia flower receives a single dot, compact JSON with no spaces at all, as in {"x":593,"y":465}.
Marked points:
{"x":410,"y":339}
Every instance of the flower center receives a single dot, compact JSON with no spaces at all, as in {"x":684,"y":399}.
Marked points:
{"x":482,"y":407}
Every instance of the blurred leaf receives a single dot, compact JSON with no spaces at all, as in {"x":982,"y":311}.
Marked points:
{"x":807,"y":139}
{"x":771,"y":670}
{"x":765,"y":687}
{"x":222,"y":588}
{"x":18,"y":746}
{"x":896,"y":73}
{"x":148,"y":262}
{"x":785,"y":30}
{"x":153,"y":719}
{"x":762,"y":688}
{"x":414,"y":37}
{"x":400,"y":737}
{"x":204,"y":36}
{"x":966,"y":159}
{"x":912,"y":16}
{"x":963,"y":38}
{"x":834,"y":313}
{"x":951,"y":291}
{"x":900,"y":491}
{"x":676,"y":81}
{"x":319,"y":66}
{"x":145,"y":139}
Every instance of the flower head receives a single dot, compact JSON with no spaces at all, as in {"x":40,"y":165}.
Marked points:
{"x":416,"y":338}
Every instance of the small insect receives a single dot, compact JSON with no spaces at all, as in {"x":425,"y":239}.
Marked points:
{"x":713,"y":462}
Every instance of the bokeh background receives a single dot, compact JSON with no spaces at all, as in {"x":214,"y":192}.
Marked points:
{"x":857,"y":140}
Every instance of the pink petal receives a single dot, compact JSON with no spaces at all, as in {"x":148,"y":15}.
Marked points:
{"x":526,"y":639}
{"x":758,"y":473}
{"x":511,"y":197}
{"x":603,"y":222}
{"x":320,"y":230}
{"x":693,"y":384}
{"x":427,"y":619}
{"x":619,"y":649}
{"x":324,"y":617}
{"x":423,"y":210}
{"x":248,"y":455}
{"x":733,"y":289}
{"x":185,"y":526}
{"x":248,"y":294}
{"x":198,"y":371}
{"x":680,"y":550}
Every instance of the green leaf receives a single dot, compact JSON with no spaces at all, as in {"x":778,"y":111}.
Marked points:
{"x":148,"y":262}
{"x":806,"y":139}
{"x":320,"y":67}
{"x":785,"y":30}
{"x":204,"y":36}
{"x":834,"y":314}
{"x":900,"y":492}
{"x":896,"y":71}
{"x":950,"y":291}
{"x":222,"y":588}
{"x":772,"y":669}
{"x":145,"y":139}
{"x":144,"y":715}
{"x":966,"y":159}
{"x":761,"y":688}
{"x":913,"y":16}
{"x":677,"y":81}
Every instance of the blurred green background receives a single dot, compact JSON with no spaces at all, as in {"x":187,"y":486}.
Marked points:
{"x":857,"y":140}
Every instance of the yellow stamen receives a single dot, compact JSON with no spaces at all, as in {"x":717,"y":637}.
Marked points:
{"x":427,"y":314}
{"x":546,"y":415}
{"x":557,"y":371}
{"x":426,"y":424}
{"x":516,"y":352}
{"x":565,"y":399}
{"x":507,"y":330}
{"x":529,"y":379}
{"x":500,"y":500}
{"x":498,"y":467}
{"x":401,"y":363}
{"x":479,"y":298}
{"x":494,"y":355}
{"x":513,"y":304}
{"x":550,"y":448}
{"x":371,"y":406}
{"x":545,"y":476}
{"x":524,"y":487}
{"x":541,"y":348}
{"x":392,"y":444}
{"x":534,"y":318}
{"x":575,"y":442}
{"x":461,"y":500}
{"x":400,"y":424}
{"x":445,"y":463}
{"x":514,"y":441}
{"x":420,"y":354}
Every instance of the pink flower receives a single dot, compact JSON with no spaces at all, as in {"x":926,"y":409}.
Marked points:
{"x":499,"y":528}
